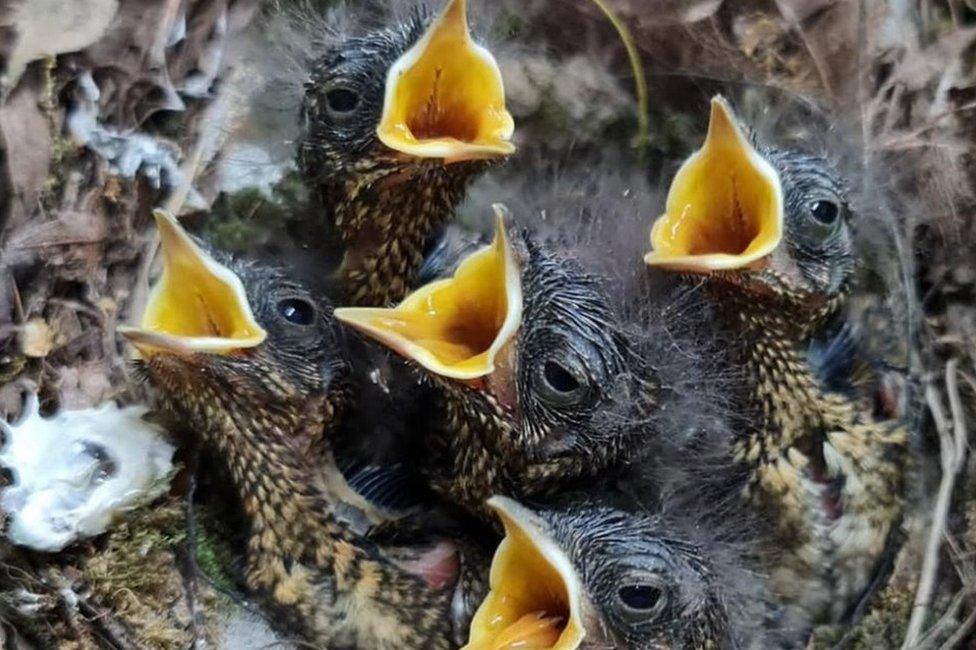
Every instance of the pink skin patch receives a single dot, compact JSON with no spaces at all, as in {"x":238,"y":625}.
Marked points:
{"x":886,"y":399}
{"x":439,"y":566}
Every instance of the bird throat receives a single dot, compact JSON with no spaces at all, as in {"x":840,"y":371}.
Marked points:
{"x":463,"y":449}
{"x":386,"y":216}
{"x":789,"y":413}
{"x":829,"y":474}
{"x":267,"y":458}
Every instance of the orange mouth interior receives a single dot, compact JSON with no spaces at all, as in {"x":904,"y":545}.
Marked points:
{"x":445,"y":97}
{"x":454,"y":327}
{"x":724,"y":208}
{"x":530,"y":602}
{"x":197,"y":304}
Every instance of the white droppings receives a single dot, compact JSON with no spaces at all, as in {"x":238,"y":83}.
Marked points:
{"x":73,"y":472}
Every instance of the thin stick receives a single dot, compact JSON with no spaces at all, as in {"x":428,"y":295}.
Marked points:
{"x":140,"y":293}
{"x":946,"y":622}
{"x":955,"y":641}
{"x":210,"y":131}
{"x":637,"y":67}
{"x":191,"y":569}
{"x":952,"y":450}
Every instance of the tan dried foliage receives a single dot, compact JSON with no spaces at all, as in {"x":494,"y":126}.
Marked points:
{"x":75,"y":244}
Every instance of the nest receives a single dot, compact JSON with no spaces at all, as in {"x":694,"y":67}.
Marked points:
{"x":888,"y":89}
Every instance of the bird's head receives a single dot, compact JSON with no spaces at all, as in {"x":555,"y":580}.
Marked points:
{"x":525,"y":341}
{"x":592,"y":576}
{"x":421,"y":97}
{"x":234,"y":339}
{"x":774,"y":223}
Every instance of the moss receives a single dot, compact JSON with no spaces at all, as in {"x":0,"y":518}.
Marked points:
{"x":883,"y":627}
{"x":969,"y":535}
{"x":509,"y":25}
{"x":885,"y":624}
{"x":214,"y":553}
{"x":233,"y":224}
{"x":63,"y":150}
{"x":134,"y":574}
{"x":240,"y":221}
{"x":137,"y":576}
{"x":11,"y":366}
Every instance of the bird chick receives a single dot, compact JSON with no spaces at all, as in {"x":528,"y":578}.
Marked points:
{"x":251,"y":361}
{"x":524,"y":344}
{"x":397,"y":123}
{"x":587,"y":574}
{"x":768,"y":234}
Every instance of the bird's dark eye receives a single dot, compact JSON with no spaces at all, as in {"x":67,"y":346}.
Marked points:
{"x":640,"y":597}
{"x":297,"y":311}
{"x":826,"y":212}
{"x":341,"y":101}
{"x":642,"y":602}
{"x":561,"y":382}
{"x":559,"y":379}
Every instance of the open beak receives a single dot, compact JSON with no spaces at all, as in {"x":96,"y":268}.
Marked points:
{"x":725,"y":207}
{"x":198,"y":305}
{"x":535,"y":599}
{"x":445,"y":97}
{"x":454,"y":327}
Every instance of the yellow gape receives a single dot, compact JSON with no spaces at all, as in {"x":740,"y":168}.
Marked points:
{"x":725,"y":206}
{"x":445,"y":97}
{"x":535,"y":593}
{"x":454,"y":327}
{"x":197,"y":305}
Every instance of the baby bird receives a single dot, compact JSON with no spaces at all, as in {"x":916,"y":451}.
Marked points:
{"x":397,"y":123}
{"x":767,"y":232}
{"x":537,"y":380}
{"x":251,"y":361}
{"x":585,"y":573}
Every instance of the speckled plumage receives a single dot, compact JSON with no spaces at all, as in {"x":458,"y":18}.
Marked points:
{"x":513,"y":432}
{"x":263,"y":413}
{"x":385,"y":204}
{"x":828,"y":471}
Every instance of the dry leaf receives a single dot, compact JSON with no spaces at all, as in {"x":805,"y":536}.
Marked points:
{"x":663,"y":12}
{"x":24,"y":130}
{"x":36,"y":338}
{"x":51,"y":27}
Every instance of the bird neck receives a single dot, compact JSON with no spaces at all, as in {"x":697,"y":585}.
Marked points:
{"x":479,"y":454}
{"x":831,"y":473}
{"x":290,"y":512}
{"x":782,"y":394}
{"x":386,"y":217}
{"x":459,"y":466}
{"x":782,"y":389}
{"x":310,"y":567}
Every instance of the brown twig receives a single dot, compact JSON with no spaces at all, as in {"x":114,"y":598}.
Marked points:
{"x":215,"y":116}
{"x":140,"y":292}
{"x":913,"y":137}
{"x":946,"y":622}
{"x":955,"y":641}
{"x":952,"y":450}
{"x":105,"y":628}
{"x":191,"y":569}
